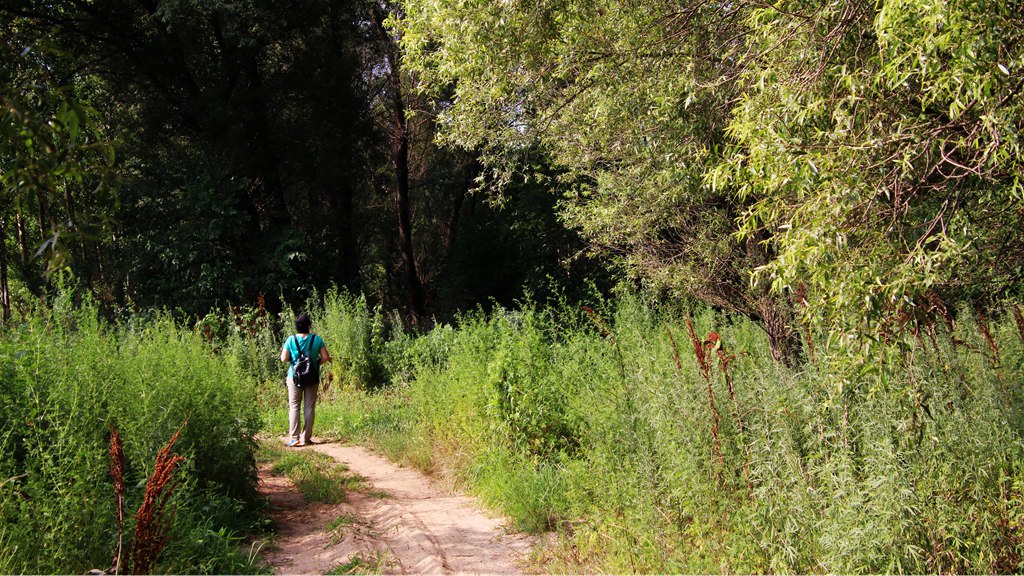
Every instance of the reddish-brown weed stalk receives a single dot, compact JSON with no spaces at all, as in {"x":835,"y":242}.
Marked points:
{"x":801,"y":301}
{"x":705,"y":372}
{"x":599,"y":322}
{"x":703,"y":351}
{"x":675,"y":350}
{"x":983,"y":326}
{"x":714,"y":342}
{"x":116,"y":465}
{"x":153,"y":524}
{"x":1019,"y":319}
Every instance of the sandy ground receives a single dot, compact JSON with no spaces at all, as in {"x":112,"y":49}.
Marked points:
{"x":400,"y":523}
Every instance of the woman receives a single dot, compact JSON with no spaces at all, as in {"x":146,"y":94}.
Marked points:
{"x":313,"y":346}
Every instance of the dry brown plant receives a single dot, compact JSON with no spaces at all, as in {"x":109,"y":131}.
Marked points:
{"x":116,"y":465}
{"x":152,"y":520}
{"x":986,"y":332}
{"x":1019,"y":319}
{"x":705,"y":371}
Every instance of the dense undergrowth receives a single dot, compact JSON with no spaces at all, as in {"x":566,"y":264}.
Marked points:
{"x":645,"y":445}
{"x":599,"y":425}
{"x":69,"y":380}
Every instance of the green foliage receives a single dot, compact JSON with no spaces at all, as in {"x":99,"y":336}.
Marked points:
{"x":355,"y":335}
{"x":896,"y":164}
{"x":582,"y":422}
{"x":629,"y":105}
{"x":191,"y":247}
{"x":57,"y":172}
{"x":234,"y":179}
{"x":70,"y":377}
{"x":254,"y":151}
{"x":506,"y":248}
{"x":862,"y":159}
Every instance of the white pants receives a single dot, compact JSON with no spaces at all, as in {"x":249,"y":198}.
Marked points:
{"x":307,"y":397}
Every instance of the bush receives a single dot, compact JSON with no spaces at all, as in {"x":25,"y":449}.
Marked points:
{"x":600,"y":424}
{"x":68,"y":380}
{"x":355,"y":336}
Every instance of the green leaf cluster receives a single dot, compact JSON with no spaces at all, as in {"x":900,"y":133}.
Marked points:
{"x":57,"y":163}
{"x":864,"y":155}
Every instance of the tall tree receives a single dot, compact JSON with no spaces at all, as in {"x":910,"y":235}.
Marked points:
{"x":631,"y":104}
{"x":57,"y":177}
{"x":277,"y":149}
{"x":238,"y":114}
{"x":880,"y":145}
{"x":389,"y":83}
{"x":862,"y":151}
{"x":399,"y":136}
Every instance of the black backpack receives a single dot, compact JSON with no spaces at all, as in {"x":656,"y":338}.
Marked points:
{"x":305,"y":372}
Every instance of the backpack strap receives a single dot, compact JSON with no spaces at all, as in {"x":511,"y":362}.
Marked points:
{"x":309,"y":342}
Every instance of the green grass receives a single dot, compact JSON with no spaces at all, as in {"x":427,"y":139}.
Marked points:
{"x":342,"y":521}
{"x":337,"y":526}
{"x":362,"y":564}
{"x":907,"y":459}
{"x":911,"y":461}
{"x":69,"y":378}
{"x":317,"y":476}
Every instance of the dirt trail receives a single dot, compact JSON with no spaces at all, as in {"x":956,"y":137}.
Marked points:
{"x":401,"y":522}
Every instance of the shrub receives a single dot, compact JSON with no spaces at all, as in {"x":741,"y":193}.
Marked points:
{"x":604,"y":425}
{"x":70,"y":378}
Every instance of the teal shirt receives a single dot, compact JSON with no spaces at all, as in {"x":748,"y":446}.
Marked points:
{"x":311,"y":348}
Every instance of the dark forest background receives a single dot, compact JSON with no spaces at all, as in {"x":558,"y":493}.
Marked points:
{"x":251,"y":149}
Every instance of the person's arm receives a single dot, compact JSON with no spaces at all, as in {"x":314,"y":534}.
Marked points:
{"x":325,"y":356}
{"x":286,"y":356}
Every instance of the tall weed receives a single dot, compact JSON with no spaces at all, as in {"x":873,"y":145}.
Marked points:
{"x":598,"y":423}
{"x":68,"y":379}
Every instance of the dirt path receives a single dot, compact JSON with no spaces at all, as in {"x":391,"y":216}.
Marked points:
{"x":401,"y":523}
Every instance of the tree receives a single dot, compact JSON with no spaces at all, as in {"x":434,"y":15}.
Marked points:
{"x":56,"y":172}
{"x":278,"y":149}
{"x":631,"y":105}
{"x":244,"y":115}
{"x":880,"y":145}
{"x":395,"y":113}
{"x":740,"y":153}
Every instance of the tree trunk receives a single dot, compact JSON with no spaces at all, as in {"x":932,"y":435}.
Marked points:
{"x":5,"y":293}
{"x":470,"y":169}
{"x":783,"y":340}
{"x":400,"y":162}
{"x":28,"y":275}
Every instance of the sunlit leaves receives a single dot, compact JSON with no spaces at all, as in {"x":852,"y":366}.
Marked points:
{"x":884,"y":152}
{"x":867,"y":152}
{"x":627,"y":100}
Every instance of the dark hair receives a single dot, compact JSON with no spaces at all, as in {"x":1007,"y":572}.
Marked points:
{"x":302,"y":323}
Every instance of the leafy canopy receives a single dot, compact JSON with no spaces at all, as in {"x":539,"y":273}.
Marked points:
{"x":868,"y":153}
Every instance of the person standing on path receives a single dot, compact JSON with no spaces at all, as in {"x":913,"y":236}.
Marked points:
{"x":312,"y":346}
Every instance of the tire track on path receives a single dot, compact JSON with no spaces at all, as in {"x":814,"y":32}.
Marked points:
{"x":406,"y":520}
